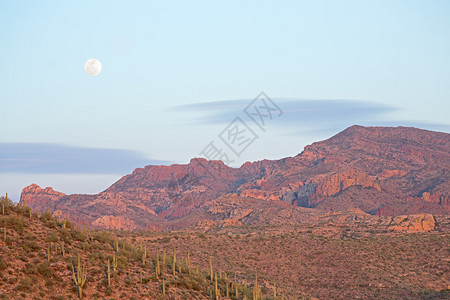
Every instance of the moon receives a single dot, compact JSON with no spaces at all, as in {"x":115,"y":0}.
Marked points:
{"x":93,"y":67}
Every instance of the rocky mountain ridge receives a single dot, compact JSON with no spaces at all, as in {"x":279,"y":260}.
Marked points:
{"x":380,"y":171}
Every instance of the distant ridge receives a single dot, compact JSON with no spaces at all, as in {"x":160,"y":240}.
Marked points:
{"x":378,"y":170}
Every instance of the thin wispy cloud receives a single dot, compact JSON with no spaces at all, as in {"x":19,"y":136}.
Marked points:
{"x":63,"y":159}
{"x":312,"y":115}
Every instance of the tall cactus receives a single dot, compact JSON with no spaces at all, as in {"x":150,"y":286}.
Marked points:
{"x":48,"y":253}
{"x":157,"y":270}
{"x":174,"y":261}
{"x":211,"y":269}
{"x":236,"y":286}
{"x":116,"y":245}
{"x":4,"y":233}
{"x":144,"y":255}
{"x":62,"y":248}
{"x":108,"y":272}
{"x":114,"y":262}
{"x":217,"y":290}
{"x":188,"y":263}
{"x":79,"y":276}
{"x":256,"y":290}
{"x":164,"y":258}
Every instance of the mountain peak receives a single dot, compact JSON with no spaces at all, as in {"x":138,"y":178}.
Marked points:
{"x":384,"y":170}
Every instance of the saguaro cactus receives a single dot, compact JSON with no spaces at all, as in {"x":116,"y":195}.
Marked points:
{"x":236,"y":286}
{"x":164,"y":258}
{"x":158,"y":268}
{"x":4,"y":233}
{"x":217,"y":290}
{"x":79,"y":276}
{"x":211,"y":269}
{"x":256,"y":290}
{"x":188,"y":263}
{"x":116,"y":245}
{"x":108,"y":272}
{"x":174,"y":261}
{"x":62,"y":248}
{"x":114,"y":262}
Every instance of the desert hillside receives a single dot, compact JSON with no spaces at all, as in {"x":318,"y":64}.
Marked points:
{"x":340,"y":257}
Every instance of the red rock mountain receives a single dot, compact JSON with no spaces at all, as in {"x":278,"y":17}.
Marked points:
{"x":373,"y":170}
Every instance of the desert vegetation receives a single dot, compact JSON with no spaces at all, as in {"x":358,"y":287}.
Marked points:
{"x":46,"y":256}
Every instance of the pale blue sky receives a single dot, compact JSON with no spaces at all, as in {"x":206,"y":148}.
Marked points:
{"x":173,"y":70}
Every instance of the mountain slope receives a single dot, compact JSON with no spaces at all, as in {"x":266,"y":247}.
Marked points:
{"x":379,"y":170}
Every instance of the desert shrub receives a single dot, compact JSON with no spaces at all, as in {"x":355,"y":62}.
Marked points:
{"x":15,"y":222}
{"x":3,"y":265}
{"x":104,"y":237}
{"x":47,"y":217}
{"x":69,"y":224}
{"x":96,"y":255}
{"x":25,"y":284}
{"x":12,"y":280}
{"x":45,"y":270}
{"x":8,"y":203}
{"x":30,"y":268}
{"x":189,"y":283}
{"x":23,"y":210}
{"x":66,"y":237}
{"x":52,"y":237}
{"x":23,"y":258}
{"x":122,"y":262}
{"x":48,"y":220}
{"x":78,"y":235}
{"x":30,"y":236}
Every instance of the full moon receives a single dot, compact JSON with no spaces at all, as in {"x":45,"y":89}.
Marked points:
{"x":93,"y":67}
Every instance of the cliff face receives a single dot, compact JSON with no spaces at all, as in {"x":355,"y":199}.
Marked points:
{"x":36,"y":197}
{"x":378,"y":170}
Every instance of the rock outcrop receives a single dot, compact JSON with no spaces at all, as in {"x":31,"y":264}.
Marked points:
{"x":112,"y":222}
{"x":413,"y":223}
{"x":36,"y":197}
